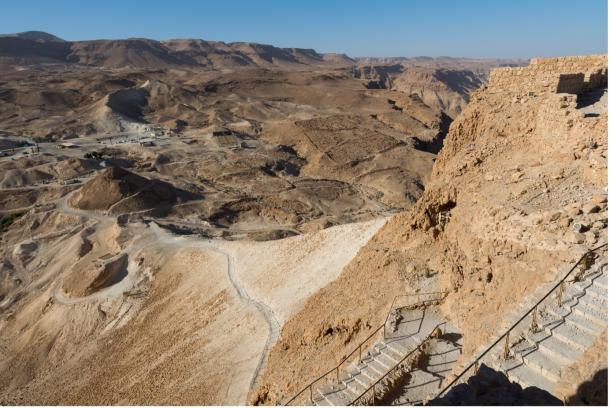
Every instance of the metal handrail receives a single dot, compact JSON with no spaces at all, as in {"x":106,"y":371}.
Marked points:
{"x":533,"y":308}
{"x":359,"y":346}
{"x":443,"y":293}
{"x":311,"y":384}
{"x":372,"y":387}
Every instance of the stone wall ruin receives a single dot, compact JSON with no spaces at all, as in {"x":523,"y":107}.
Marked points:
{"x":573,"y":75}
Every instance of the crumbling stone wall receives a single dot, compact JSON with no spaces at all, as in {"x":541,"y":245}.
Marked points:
{"x":572,"y":75}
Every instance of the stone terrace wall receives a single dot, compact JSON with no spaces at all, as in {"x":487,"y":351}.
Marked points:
{"x":558,"y":75}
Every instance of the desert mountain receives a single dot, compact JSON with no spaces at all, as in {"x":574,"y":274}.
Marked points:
{"x":63,"y":101}
{"x":116,"y":187}
{"x":35,"y":46}
{"x":40,"y":36}
{"x":133,"y":52}
{"x":448,"y":89}
{"x":151,"y":245}
{"x":110,"y":101}
{"x":443,"y":83}
{"x":478,"y":65}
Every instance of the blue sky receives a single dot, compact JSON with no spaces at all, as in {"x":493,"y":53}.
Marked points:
{"x":460,"y":28}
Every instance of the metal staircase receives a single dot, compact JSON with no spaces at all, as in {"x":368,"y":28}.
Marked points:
{"x":408,"y":324}
{"x":560,"y":322}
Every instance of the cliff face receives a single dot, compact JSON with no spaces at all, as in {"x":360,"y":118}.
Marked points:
{"x":518,"y":169}
{"x":520,"y":166}
{"x":447,"y":89}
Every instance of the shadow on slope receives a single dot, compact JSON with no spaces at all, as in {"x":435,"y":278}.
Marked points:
{"x":435,"y":144}
{"x":129,"y":102}
{"x":120,"y":191}
{"x":491,"y":387}
{"x":592,"y":392}
{"x":460,"y":81}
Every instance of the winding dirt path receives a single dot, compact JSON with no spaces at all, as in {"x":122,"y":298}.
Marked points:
{"x":272,"y":322}
{"x":267,"y":312}
{"x":163,"y":239}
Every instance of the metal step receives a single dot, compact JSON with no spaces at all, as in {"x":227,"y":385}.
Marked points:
{"x":354,"y":392}
{"x":355,"y":387}
{"x":392,"y":352}
{"x":337,"y":398}
{"x":402,"y":347}
{"x":527,"y":377}
{"x":600,"y":318}
{"x":543,"y":363}
{"x":377,"y":367}
{"x":367,"y":376}
{"x":594,"y":303}
{"x":581,"y":321}
{"x":598,"y":292}
{"x":559,"y":349}
{"x":387,"y":361}
{"x":602,"y":282}
{"x":570,"y":334}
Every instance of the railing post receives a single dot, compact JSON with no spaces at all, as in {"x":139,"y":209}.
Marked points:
{"x":587,"y":261}
{"x":360,"y":353}
{"x":310,"y":394}
{"x":506,"y":352}
{"x":374,"y":394}
{"x":534,"y":324}
{"x":337,"y":373}
{"x":560,"y":295}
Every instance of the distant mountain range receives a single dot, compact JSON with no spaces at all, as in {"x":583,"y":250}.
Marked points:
{"x":40,"y":47}
{"x":36,"y":46}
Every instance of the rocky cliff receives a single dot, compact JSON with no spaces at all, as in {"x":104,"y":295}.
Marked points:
{"x":518,"y":193}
